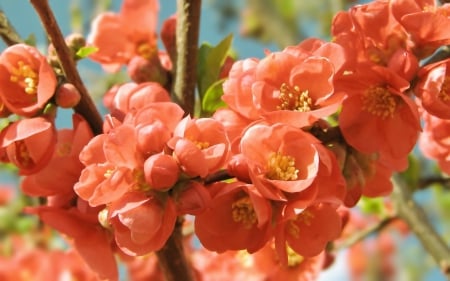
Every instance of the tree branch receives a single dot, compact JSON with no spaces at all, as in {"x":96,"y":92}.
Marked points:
{"x":363,"y":234}
{"x":86,"y":107}
{"x":408,"y":210}
{"x":172,"y":259}
{"x":188,"y":23}
{"x":7,"y":31}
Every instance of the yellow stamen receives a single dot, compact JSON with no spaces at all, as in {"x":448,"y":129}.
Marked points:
{"x":304,"y":217}
{"x":281,"y":167}
{"x":140,"y":183}
{"x":445,"y":89}
{"x":22,"y":154}
{"x":380,"y":102}
{"x":294,"y":259}
{"x":145,"y":50}
{"x":242,"y":211}
{"x":292,"y":98}
{"x":26,"y":77}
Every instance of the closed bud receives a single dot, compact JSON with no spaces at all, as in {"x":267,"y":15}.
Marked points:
{"x":161,"y":171}
{"x":142,"y":70}
{"x":67,"y":96}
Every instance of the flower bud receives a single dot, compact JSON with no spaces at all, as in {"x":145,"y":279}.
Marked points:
{"x":238,"y":167}
{"x":142,"y":70}
{"x":161,"y":171}
{"x":67,"y":96}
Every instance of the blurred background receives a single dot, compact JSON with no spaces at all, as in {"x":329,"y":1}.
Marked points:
{"x":257,"y":26}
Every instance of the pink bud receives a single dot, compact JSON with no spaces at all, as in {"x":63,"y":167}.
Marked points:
{"x":141,"y":70}
{"x":161,"y":171}
{"x":67,"y":96}
{"x":238,"y":167}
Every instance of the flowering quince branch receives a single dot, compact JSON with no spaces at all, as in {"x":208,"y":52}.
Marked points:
{"x":86,"y":106}
{"x":408,"y":210}
{"x":270,"y":178}
{"x":187,"y":32}
{"x":7,"y":32}
{"x":360,"y":236}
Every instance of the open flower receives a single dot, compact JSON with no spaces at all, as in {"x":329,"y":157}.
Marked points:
{"x":281,"y":158}
{"x":120,"y":36}
{"x":142,"y":223}
{"x":200,"y":146}
{"x":378,"y":106}
{"x":29,"y":143}
{"x":433,"y":88}
{"x":238,"y":218}
{"x":27,"y":80}
{"x":308,"y":232}
{"x":63,"y":170}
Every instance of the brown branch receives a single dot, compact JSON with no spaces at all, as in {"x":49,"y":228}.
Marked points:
{"x":427,"y":182}
{"x":172,"y":259}
{"x":86,"y":107}
{"x":408,"y":210}
{"x":188,"y":22}
{"x":442,"y":54}
{"x":363,"y":234}
{"x":7,"y":31}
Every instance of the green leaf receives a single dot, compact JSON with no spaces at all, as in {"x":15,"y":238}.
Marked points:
{"x":85,"y":51}
{"x":413,"y":173}
{"x":373,"y":206}
{"x":212,"y":99}
{"x":210,"y":61}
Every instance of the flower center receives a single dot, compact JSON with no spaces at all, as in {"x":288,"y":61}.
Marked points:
{"x":202,"y":144}
{"x":379,"y":102}
{"x":445,"y":88}
{"x":145,"y":50}
{"x":22,"y":155}
{"x":304,"y":217}
{"x":25,"y":77}
{"x":294,"y":259}
{"x":281,"y":167}
{"x":242,"y":211}
{"x":292,"y":98}
{"x":139,"y":181}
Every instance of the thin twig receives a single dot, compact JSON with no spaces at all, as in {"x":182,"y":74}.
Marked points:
{"x":426,"y":182}
{"x":363,"y":234}
{"x":408,"y":210}
{"x":7,"y":31}
{"x":188,"y":22}
{"x":86,"y":107}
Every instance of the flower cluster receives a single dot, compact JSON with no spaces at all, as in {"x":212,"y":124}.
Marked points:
{"x":304,"y":134}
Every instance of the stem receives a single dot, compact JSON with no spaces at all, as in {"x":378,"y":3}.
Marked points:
{"x":7,"y":31}
{"x":188,"y":22}
{"x":86,"y":107}
{"x":363,"y":234}
{"x":408,"y":210}
{"x":172,"y":260}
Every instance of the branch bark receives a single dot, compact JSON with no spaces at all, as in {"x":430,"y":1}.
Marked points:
{"x":86,"y":107}
{"x":7,"y":31}
{"x":408,"y":210}
{"x":187,"y":32}
{"x":172,"y":259}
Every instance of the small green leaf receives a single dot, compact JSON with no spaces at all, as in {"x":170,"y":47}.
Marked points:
{"x":210,"y":61}
{"x":413,"y":173}
{"x":30,"y":40}
{"x":373,"y":206}
{"x":212,"y":99}
{"x":86,"y":51}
